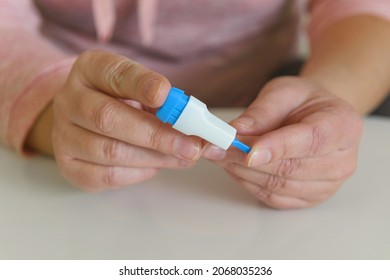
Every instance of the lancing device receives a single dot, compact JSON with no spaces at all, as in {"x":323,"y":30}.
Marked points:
{"x":190,"y":116}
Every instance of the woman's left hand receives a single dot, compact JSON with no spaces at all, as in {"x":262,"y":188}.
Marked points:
{"x":304,"y":144}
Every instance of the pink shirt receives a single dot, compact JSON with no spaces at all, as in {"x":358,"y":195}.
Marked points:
{"x":219,"y":50}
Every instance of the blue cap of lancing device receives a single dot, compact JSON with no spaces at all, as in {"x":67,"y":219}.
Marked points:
{"x":190,"y":116}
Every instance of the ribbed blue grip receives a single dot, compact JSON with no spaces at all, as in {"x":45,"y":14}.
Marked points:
{"x":173,"y":106}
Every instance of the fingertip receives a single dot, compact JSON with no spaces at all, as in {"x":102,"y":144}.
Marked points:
{"x":155,"y":90}
{"x":243,"y":124}
{"x":187,"y":148}
{"x":259,"y":156}
{"x":212,"y":152}
{"x":163,"y":92}
{"x":251,"y":123}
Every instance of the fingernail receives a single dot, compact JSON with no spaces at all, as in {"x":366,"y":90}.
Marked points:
{"x":260,"y":157}
{"x":214,"y":153}
{"x":186,"y":149}
{"x":152,"y":88}
{"x":245,"y":122}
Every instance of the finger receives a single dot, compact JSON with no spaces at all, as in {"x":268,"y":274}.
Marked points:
{"x":308,"y":190}
{"x":213,"y":152}
{"x":93,"y":177}
{"x":275,"y":200}
{"x":233,"y":154}
{"x":120,"y":77}
{"x":107,"y":116}
{"x":94,"y":148}
{"x":271,"y":107}
{"x":293,"y":121}
{"x":319,"y":135}
{"x":337,"y":166}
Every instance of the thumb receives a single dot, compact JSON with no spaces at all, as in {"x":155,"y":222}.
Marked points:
{"x":120,"y":77}
{"x":275,"y":102}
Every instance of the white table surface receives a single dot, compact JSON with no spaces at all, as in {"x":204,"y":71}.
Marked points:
{"x":192,"y":214}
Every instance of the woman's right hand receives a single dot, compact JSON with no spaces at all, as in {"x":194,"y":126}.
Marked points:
{"x":101,"y":139}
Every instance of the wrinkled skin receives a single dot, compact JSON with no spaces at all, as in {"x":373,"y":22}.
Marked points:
{"x":304,"y":144}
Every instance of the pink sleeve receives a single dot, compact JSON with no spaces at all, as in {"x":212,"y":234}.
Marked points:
{"x":327,"y":12}
{"x":31,"y":71}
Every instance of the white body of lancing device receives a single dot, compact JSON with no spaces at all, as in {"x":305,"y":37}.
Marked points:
{"x":191,"y":117}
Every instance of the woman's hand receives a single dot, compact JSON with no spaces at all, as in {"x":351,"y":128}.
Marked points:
{"x":304,"y":144}
{"x":104,"y":134}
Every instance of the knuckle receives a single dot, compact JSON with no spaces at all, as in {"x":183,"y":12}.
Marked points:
{"x":103,"y":117}
{"x":117,"y":74}
{"x":270,"y":199}
{"x":111,"y":150}
{"x":110,"y":177}
{"x":147,"y":87}
{"x":155,"y":137}
{"x":315,"y":136}
{"x":263,"y":194}
{"x":275,"y":183}
{"x":288,"y":167}
{"x":260,"y":192}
